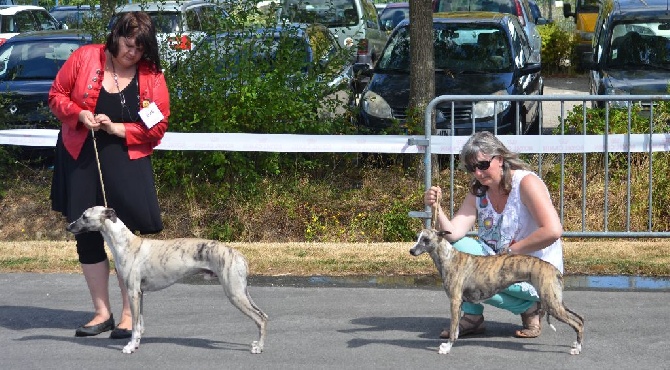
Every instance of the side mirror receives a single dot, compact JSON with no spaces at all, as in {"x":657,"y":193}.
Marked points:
{"x":541,"y":21}
{"x":531,"y":68}
{"x":567,"y":10}
{"x":588,"y":63}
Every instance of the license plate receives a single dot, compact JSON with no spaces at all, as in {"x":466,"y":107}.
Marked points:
{"x":443,"y":132}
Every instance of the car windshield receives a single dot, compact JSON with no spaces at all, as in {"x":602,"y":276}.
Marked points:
{"x":457,"y":48}
{"x":166,"y":22}
{"x":330,"y":13}
{"x":74,"y":17}
{"x":497,"y":6}
{"x":39,"y":60}
{"x":390,"y":17}
{"x":639,"y":44}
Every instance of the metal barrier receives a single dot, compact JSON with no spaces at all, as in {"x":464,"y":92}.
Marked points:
{"x":606,"y":144}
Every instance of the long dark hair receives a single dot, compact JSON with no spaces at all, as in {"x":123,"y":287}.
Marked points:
{"x":486,"y":143}
{"x":137,"y":25}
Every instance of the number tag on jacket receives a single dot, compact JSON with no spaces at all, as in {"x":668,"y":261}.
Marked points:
{"x":151,"y":115}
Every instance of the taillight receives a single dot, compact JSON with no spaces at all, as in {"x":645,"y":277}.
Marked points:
{"x":362,"y":47}
{"x":2,"y":40}
{"x":519,"y":11}
{"x":182,"y":42}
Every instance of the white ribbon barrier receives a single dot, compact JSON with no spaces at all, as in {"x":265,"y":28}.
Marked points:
{"x":288,"y":143}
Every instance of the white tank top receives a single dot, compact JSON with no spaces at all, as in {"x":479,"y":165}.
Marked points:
{"x":496,"y":230}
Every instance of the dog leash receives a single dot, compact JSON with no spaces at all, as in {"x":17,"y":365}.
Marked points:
{"x":434,"y":212}
{"x":97,"y":160}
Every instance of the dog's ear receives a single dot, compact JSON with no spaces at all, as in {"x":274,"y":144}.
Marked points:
{"x":110,"y":214}
{"x":443,"y":233}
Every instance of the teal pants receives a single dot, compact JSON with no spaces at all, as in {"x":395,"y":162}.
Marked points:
{"x":516,"y":298}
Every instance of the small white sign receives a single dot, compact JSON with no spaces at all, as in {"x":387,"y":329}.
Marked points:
{"x":151,"y":115}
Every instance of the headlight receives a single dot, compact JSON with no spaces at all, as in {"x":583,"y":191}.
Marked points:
{"x":486,"y":109}
{"x":375,"y":105}
{"x":617,"y":103}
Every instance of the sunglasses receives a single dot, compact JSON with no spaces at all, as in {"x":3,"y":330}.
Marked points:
{"x":481,"y":165}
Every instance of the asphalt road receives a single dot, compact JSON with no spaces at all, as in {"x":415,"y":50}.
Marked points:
{"x":194,"y":327}
{"x":553,"y":110}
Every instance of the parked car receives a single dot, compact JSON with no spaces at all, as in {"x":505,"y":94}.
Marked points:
{"x":353,"y":22}
{"x":74,"y":15}
{"x":537,"y":14}
{"x":380,"y":7}
{"x":312,"y":49}
{"x":29,"y":63}
{"x":520,"y":8}
{"x":631,"y":51}
{"x":15,"y":19}
{"x":476,"y":53}
{"x":179,"y":24}
{"x":392,"y":15}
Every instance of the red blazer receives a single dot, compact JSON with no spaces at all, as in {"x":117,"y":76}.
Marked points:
{"x":77,"y":87}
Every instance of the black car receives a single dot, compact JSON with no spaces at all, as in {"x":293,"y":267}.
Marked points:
{"x":477,"y":53}
{"x":29,"y":63}
{"x":631,"y":52}
{"x":74,"y":15}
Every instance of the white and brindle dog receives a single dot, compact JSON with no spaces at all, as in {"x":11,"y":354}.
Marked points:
{"x":150,"y":265}
{"x":474,"y":279}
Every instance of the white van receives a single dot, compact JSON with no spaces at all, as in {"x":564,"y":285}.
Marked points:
{"x":353,"y":22}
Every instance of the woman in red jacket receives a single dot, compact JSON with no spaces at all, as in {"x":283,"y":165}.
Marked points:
{"x":111,"y":99}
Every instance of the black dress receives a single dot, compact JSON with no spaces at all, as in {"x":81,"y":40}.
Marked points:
{"x":129,"y":184}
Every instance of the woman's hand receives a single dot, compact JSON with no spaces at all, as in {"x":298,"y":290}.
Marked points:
{"x":87,"y":118}
{"x":116,"y":129}
{"x":432,"y":195}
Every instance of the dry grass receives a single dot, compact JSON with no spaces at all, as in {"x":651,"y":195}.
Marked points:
{"x":651,"y":258}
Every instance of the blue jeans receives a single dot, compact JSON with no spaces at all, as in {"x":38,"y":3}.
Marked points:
{"x":517,"y":298}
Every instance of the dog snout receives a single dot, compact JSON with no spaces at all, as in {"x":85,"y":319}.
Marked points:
{"x":415,"y":251}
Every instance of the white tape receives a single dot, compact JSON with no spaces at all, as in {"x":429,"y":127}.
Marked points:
{"x":286,"y":143}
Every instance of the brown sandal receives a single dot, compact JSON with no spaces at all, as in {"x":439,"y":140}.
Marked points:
{"x":530,"y":330}
{"x":468,"y":325}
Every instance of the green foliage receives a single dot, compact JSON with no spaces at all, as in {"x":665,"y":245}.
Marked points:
{"x":557,"y":49}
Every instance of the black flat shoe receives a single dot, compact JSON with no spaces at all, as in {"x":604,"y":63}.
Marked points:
{"x":89,"y":331}
{"x":119,"y":333}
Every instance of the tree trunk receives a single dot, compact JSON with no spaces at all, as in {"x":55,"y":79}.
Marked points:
{"x":422,"y":66}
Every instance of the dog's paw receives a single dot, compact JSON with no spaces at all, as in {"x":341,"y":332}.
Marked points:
{"x":445,"y":348}
{"x":576,"y":348}
{"x":255,"y":348}
{"x":131,"y":346}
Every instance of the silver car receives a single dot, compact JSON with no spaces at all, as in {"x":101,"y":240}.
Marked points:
{"x":179,"y":24}
{"x":520,"y":8}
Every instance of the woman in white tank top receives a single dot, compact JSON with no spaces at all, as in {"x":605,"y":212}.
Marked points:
{"x":510,"y":206}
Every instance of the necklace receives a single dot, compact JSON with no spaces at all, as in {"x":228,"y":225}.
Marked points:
{"x":116,"y":82}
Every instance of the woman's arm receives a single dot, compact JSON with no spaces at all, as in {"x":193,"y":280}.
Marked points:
{"x":535,"y":196}
{"x":463,"y":220}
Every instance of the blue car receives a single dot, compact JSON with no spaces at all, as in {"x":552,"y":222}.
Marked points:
{"x":29,"y":63}
{"x":476,"y":53}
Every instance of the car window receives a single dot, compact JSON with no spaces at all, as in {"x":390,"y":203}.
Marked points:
{"x":330,"y":13}
{"x":457,"y":47}
{"x":46,"y":21}
{"x":499,"y":6}
{"x":192,"y":19}
{"x":643,"y":43}
{"x":40,"y":60}
{"x":391,"y":17}
{"x":211,"y":17}
{"x":24,"y":22}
